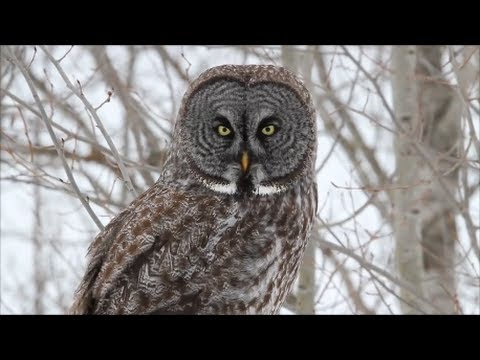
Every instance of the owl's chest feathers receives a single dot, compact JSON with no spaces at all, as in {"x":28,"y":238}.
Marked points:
{"x":255,"y":250}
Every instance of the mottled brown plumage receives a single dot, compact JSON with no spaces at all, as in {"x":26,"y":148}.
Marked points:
{"x":209,"y":237}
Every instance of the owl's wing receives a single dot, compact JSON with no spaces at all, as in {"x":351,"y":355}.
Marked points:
{"x":97,"y":252}
{"x":131,"y":249}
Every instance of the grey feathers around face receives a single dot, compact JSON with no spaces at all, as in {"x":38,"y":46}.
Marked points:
{"x":224,"y":228}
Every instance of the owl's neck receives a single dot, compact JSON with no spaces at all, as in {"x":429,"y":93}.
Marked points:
{"x":176,"y":168}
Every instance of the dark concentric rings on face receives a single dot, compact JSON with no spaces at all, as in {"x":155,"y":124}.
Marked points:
{"x":244,"y":109}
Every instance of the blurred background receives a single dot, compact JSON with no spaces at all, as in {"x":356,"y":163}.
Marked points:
{"x":84,"y":128}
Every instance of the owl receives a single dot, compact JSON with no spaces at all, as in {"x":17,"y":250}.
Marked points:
{"x":224,"y":229}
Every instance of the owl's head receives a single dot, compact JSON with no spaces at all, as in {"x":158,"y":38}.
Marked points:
{"x":247,"y":129}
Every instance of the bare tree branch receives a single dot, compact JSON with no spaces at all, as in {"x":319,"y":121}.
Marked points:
{"x":48,"y":124}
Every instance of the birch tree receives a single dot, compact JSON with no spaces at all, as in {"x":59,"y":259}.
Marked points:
{"x":428,"y":156}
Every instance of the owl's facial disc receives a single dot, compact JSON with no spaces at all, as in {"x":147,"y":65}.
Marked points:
{"x":244,"y":139}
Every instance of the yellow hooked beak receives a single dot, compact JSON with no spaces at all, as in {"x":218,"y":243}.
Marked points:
{"x":245,"y":161}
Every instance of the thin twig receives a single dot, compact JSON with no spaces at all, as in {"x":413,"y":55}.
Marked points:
{"x":68,"y":51}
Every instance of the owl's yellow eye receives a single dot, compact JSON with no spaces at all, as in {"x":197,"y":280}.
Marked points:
{"x":223,"y":130}
{"x":268,"y":130}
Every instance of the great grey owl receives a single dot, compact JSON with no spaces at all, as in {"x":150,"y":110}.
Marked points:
{"x":224,"y":228}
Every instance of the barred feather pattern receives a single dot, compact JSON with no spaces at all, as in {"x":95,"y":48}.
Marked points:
{"x":184,"y":248}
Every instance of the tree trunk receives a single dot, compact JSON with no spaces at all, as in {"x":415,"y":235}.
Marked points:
{"x":406,"y":222}
{"x":440,"y":113}
{"x":429,"y":116}
{"x":304,"y":301}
